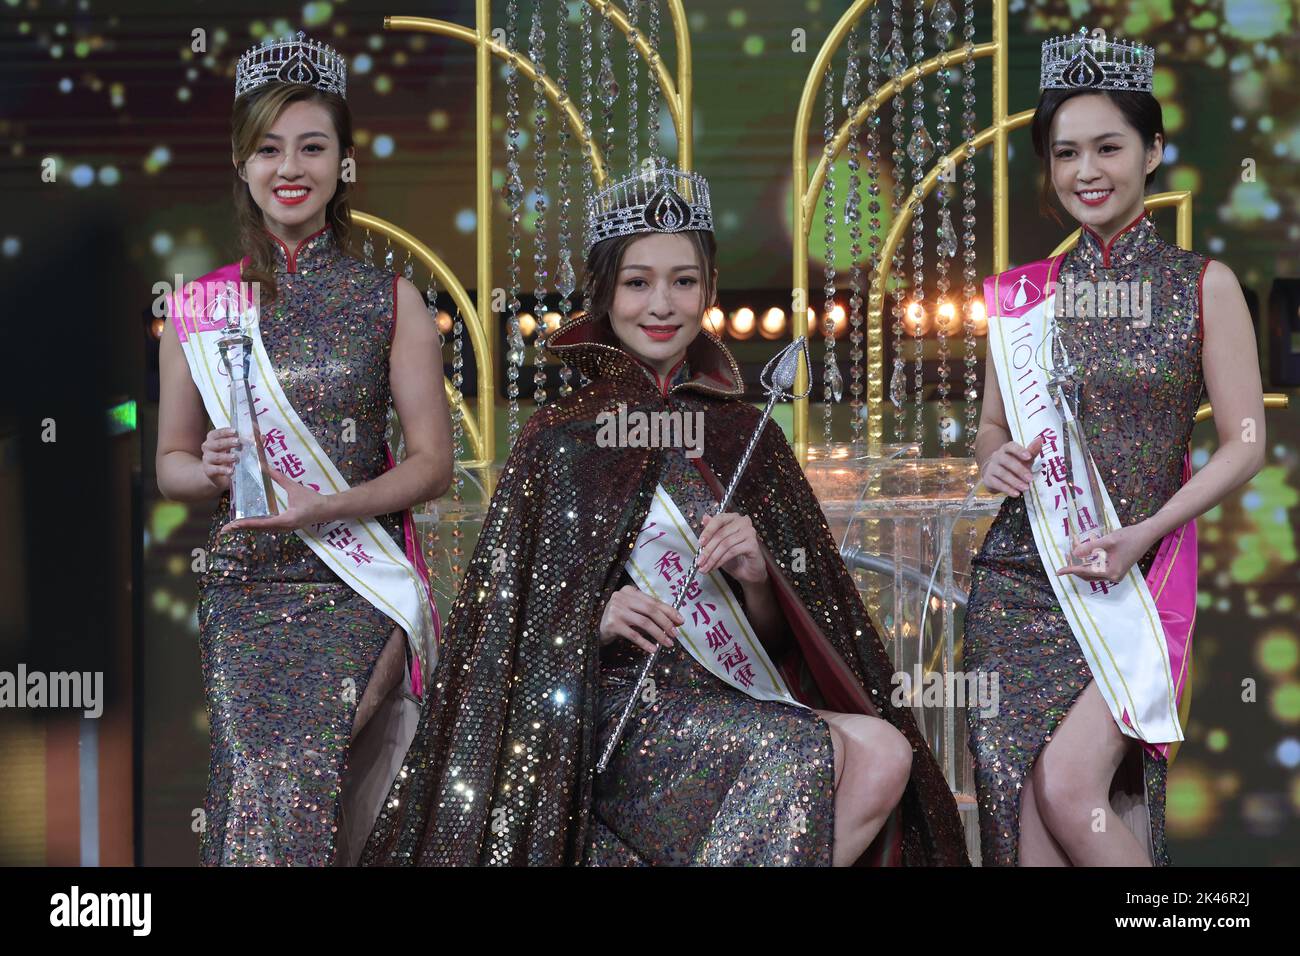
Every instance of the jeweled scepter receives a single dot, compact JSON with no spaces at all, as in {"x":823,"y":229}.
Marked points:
{"x":777,"y":378}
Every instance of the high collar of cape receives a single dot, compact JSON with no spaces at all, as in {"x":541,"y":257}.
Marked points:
{"x":588,"y":344}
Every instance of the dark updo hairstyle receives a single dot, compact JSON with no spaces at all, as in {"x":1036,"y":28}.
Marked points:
{"x":1140,"y":109}
{"x":600,"y":279}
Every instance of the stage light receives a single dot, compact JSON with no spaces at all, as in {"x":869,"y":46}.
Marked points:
{"x":979,"y":318}
{"x":840,"y":320}
{"x":552,"y":320}
{"x":715,"y":321}
{"x":773,"y":324}
{"x":444,"y":321}
{"x":742,"y":323}
{"x":527,"y":324}
{"x":916,"y":321}
{"x":946,"y":318}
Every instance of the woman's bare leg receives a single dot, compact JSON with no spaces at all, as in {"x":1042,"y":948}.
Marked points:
{"x":1072,"y":786}
{"x":1037,"y":846}
{"x":873,"y":765}
{"x":387,"y":675}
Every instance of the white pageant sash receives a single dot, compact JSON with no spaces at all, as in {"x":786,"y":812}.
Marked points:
{"x":1117,"y":626}
{"x":716,"y":631}
{"x":358,"y":550}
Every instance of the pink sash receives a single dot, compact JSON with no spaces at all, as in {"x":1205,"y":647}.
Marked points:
{"x":1172,"y":578}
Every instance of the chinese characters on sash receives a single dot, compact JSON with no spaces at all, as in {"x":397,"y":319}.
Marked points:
{"x":1054,"y":474}
{"x":716,"y":631}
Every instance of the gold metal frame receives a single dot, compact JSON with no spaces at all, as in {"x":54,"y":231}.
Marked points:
{"x":482,"y":455}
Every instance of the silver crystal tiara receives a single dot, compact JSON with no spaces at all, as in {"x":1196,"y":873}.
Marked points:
{"x":292,"y":60}
{"x":1084,"y":62}
{"x":658,"y":199}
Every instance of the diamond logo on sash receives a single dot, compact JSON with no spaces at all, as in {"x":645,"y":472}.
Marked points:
{"x":1022,"y":293}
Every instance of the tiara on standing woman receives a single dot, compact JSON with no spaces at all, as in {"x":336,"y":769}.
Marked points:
{"x":292,"y":60}
{"x":659,"y":198}
{"x":1084,"y":62}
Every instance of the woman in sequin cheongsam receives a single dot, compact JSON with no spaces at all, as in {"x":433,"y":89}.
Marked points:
{"x":315,"y":623}
{"x":546,"y":640}
{"x":1058,"y":782}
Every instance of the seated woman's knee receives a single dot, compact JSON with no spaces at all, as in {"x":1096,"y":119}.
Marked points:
{"x":885,"y":757}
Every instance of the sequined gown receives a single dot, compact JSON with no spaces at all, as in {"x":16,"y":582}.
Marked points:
{"x":706,"y":775}
{"x":287,"y":648}
{"x":1141,"y":389}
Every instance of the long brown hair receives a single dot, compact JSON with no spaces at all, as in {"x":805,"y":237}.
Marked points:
{"x":1140,"y":109}
{"x":252,"y":118}
{"x":600,"y":278}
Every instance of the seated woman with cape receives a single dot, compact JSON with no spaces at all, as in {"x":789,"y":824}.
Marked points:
{"x":765,"y":733}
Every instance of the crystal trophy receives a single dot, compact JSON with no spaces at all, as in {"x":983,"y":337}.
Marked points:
{"x":250,"y":492}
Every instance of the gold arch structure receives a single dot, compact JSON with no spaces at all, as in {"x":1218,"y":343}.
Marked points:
{"x":481,"y":452}
{"x":996,"y":134}
{"x":676,"y":94}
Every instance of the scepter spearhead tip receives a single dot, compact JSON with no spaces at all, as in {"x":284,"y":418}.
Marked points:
{"x":787,"y":364}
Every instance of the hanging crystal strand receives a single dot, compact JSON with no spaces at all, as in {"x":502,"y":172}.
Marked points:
{"x":432,"y":543}
{"x":608,"y":85}
{"x":919,"y":150}
{"x":969,"y":276}
{"x":897,"y":67}
{"x":970,"y":291}
{"x":388,"y":254}
{"x":458,"y":439}
{"x":873,"y":206}
{"x":514,"y":196}
{"x":537,"y":53}
{"x":586,"y":80}
{"x":431,"y":297}
{"x":368,"y":250}
{"x":828,"y":201}
{"x":853,"y":216}
{"x":564,"y":276}
{"x":941,"y":18}
{"x":633,"y":57}
{"x":652,"y":82}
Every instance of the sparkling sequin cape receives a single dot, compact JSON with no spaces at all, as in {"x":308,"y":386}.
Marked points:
{"x":1141,"y":389}
{"x":503,"y":767}
{"x":287,"y":648}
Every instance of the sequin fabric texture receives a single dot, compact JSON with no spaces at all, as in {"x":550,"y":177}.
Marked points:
{"x":502,"y":770}
{"x":704,"y":774}
{"x":287,"y":648}
{"x":1141,"y":389}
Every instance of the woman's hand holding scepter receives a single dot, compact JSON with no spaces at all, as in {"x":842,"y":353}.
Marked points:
{"x":777,"y":379}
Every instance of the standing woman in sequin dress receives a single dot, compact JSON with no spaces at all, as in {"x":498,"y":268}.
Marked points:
{"x":306,"y":617}
{"x":549,"y":632}
{"x":1059,"y":783}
